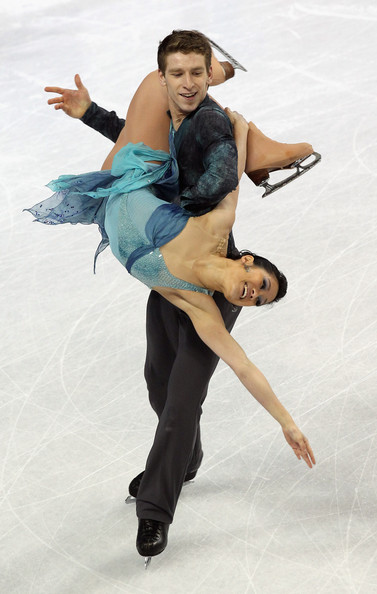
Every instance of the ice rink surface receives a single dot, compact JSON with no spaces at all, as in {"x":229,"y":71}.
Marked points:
{"x":75,"y":421}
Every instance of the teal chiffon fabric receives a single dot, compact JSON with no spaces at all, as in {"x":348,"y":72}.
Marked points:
{"x":83,"y":198}
{"x":125,"y":204}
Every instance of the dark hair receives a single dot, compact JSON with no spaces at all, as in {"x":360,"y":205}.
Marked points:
{"x":184,"y":42}
{"x":269,"y":267}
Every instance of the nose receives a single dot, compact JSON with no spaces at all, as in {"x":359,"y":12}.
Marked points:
{"x":254,"y":294}
{"x":188,"y":81}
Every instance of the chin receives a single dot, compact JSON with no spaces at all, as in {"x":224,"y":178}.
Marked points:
{"x":189,"y":108}
{"x":233,"y":301}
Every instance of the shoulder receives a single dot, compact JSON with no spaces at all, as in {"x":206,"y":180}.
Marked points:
{"x":211,"y":124}
{"x":209,"y":109}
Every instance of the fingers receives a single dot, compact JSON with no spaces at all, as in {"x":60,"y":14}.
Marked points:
{"x":55,"y":100}
{"x":78,"y":82}
{"x":306,"y":458}
{"x":61,"y":90}
{"x":236,"y":118}
{"x":305,"y":452}
{"x":300,"y":445}
{"x":311,"y":455}
{"x":230,"y":115}
{"x":55,"y":90}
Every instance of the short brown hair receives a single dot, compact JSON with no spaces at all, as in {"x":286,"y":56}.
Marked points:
{"x":184,"y":42}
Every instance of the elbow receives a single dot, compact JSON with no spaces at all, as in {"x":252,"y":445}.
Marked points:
{"x":242,"y":370}
{"x":234,"y":182}
{"x":230,"y":185}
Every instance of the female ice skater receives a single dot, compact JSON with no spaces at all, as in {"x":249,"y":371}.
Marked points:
{"x":181,"y":256}
{"x":159,"y":226}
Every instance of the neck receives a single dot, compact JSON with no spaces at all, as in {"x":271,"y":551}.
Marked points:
{"x":210,"y":271}
{"x":176,"y":115}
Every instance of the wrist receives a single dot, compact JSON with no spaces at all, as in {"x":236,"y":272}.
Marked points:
{"x":286,"y":420}
{"x":90,"y":110}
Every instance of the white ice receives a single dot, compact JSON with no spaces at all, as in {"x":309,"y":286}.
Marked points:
{"x":75,"y":421}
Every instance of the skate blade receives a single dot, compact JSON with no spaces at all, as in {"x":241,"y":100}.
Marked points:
{"x":301,"y":167}
{"x":147,"y":561}
{"x":230,"y":58}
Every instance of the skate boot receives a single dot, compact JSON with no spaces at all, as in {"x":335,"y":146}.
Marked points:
{"x":261,"y":177}
{"x":152,"y":539}
{"x":265,"y":156}
{"x":228,"y":70}
{"x":134,"y":485}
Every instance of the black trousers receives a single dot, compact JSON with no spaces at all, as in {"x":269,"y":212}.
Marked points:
{"x":178,"y":369}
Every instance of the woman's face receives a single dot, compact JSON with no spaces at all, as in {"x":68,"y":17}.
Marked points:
{"x":247,"y":284}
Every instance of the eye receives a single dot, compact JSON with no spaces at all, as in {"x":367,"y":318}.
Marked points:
{"x":258,"y":302}
{"x":264,"y":285}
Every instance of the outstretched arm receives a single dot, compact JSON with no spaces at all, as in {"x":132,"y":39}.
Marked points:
{"x":209,"y":325}
{"x":77,"y":103}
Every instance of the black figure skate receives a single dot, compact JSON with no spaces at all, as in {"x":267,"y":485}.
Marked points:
{"x":152,"y":539}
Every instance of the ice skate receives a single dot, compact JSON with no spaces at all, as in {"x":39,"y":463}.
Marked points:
{"x":152,"y":539}
{"x":265,"y":156}
{"x":133,"y":488}
{"x":147,"y":561}
{"x":301,"y":165}
{"x":230,"y":58}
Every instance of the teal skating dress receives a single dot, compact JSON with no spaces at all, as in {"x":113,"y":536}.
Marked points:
{"x":124,"y":203}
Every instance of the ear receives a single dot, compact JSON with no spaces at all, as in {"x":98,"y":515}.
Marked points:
{"x":210,"y":75}
{"x":162,"y":78}
{"x":247,"y":259}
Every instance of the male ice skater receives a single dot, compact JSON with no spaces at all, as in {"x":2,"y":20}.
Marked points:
{"x":178,"y":365}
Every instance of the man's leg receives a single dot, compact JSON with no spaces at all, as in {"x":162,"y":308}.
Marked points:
{"x":162,"y":330}
{"x":177,"y":447}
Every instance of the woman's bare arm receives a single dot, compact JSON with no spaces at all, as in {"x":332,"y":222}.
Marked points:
{"x":210,"y":327}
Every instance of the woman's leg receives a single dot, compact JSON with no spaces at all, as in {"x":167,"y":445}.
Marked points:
{"x":263,"y":154}
{"x":147,"y":121}
{"x":221,"y":71}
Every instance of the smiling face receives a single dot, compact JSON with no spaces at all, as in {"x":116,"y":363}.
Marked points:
{"x":247,"y":284}
{"x":186,"y":80}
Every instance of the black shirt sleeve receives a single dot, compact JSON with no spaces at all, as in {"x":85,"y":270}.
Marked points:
{"x":218,"y":154}
{"x":103,"y":121}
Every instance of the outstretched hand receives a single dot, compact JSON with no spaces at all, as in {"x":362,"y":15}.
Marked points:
{"x":300,"y":444}
{"x":73,"y":102}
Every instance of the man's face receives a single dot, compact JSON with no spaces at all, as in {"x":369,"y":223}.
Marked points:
{"x":186,"y":80}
